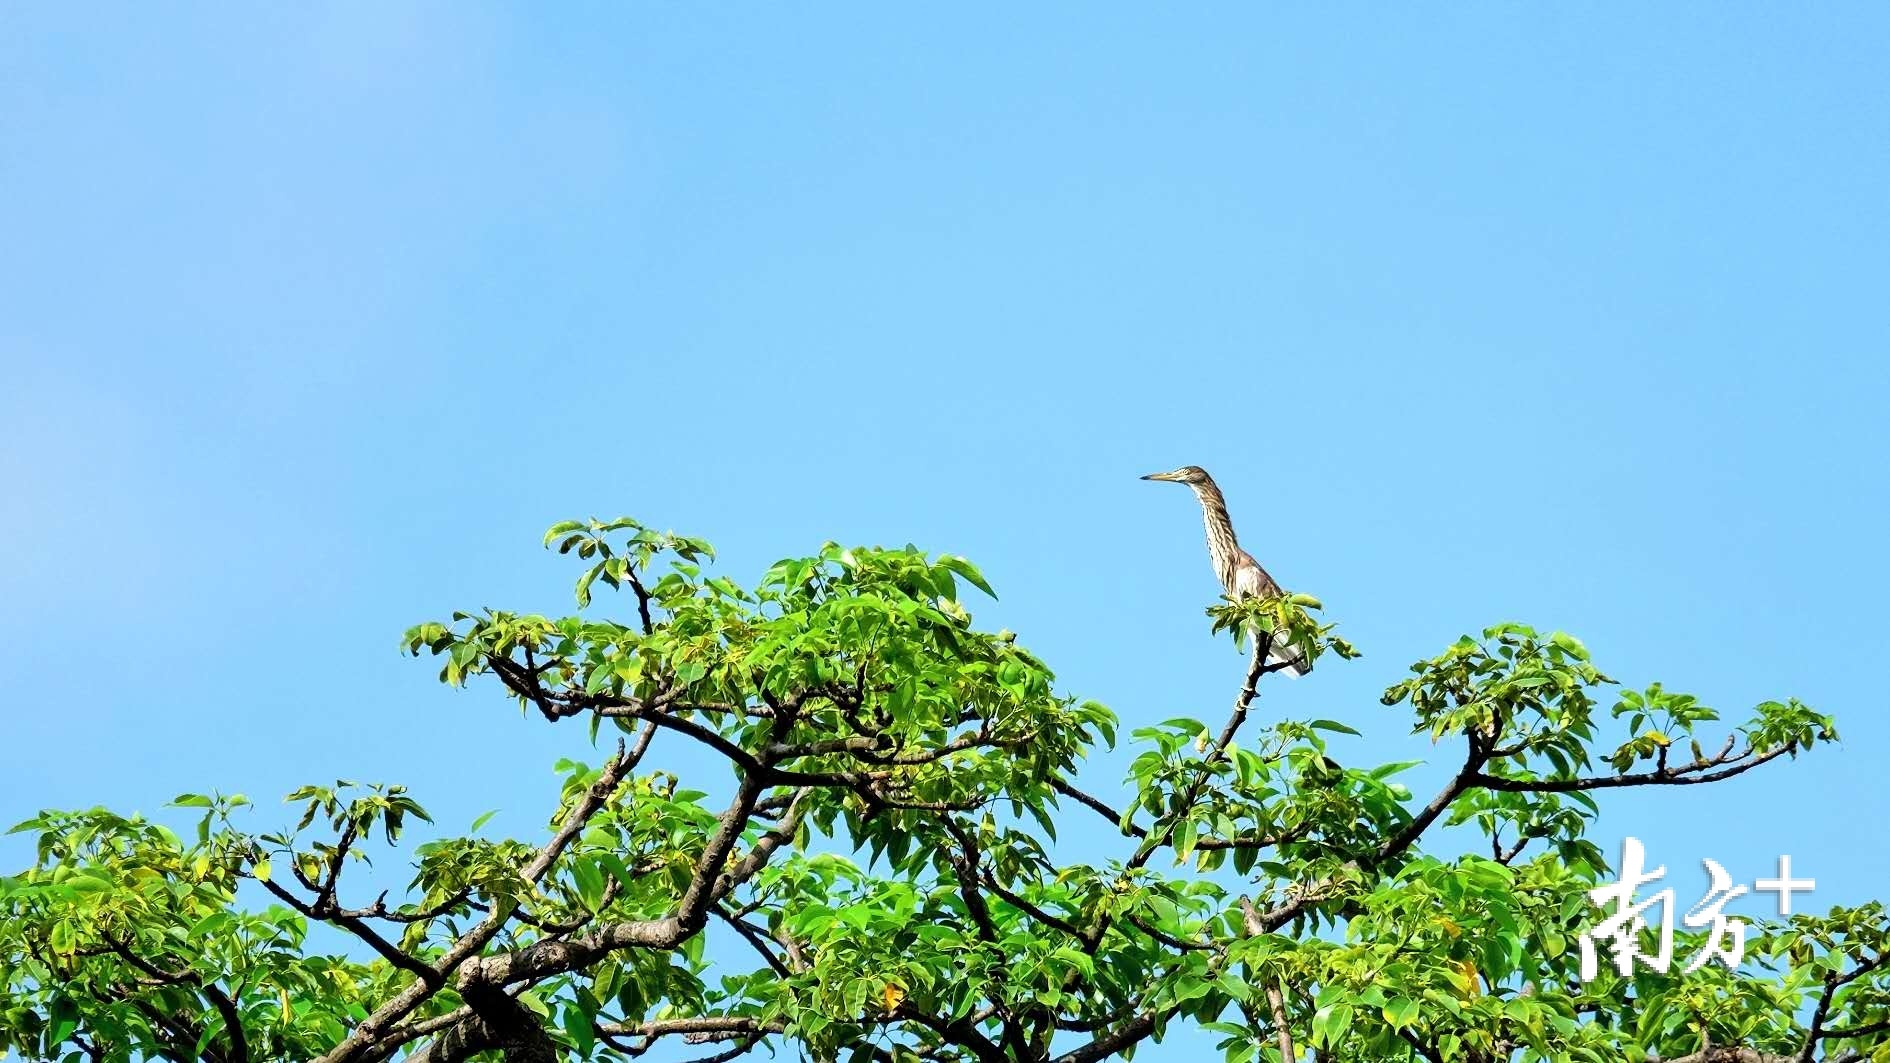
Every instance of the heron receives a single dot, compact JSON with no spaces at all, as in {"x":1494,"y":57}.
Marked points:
{"x":1240,"y":575}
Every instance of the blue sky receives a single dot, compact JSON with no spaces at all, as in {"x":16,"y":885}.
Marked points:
{"x":311,"y":320}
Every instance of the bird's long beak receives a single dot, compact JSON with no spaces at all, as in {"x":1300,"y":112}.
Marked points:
{"x":1166,"y":477}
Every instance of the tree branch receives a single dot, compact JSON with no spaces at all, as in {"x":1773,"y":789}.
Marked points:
{"x":469,"y":944}
{"x":225,"y":1007}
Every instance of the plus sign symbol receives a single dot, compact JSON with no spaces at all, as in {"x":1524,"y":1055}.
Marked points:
{"x":1785,"y":885}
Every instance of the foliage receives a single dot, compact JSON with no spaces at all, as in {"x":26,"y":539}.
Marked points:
{"x":882,"y":850}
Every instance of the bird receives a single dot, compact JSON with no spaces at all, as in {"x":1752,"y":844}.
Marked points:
{"x":1240,"y":575}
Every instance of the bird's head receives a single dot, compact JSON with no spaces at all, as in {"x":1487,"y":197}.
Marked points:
{"x":1191,"y":475}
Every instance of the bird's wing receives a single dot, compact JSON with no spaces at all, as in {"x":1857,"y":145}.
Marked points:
{"x":1252,"y":581}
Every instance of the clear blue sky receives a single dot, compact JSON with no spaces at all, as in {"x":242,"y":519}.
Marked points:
{"x":312,"y":319}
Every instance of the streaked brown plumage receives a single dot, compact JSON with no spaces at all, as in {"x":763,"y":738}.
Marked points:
{"x":1240,"y":575}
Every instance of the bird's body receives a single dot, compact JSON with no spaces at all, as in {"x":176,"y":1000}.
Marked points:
{"x":1240,"y":575}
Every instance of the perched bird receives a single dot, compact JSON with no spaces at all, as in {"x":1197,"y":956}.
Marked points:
{"x":1240,"y":575}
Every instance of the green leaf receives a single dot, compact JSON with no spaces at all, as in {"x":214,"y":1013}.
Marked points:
{"x":64,"y":1014}
{"x":563,"y":527}
{"x":589,"y":881}
{"x":1401,"y":1012}
{"x":969,"y":572}
{"x":577,"y":1026}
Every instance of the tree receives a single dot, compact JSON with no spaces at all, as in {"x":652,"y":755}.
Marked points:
{"x":876,"y":864}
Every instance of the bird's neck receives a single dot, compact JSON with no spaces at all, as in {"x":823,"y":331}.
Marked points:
{"x":1223,"y":547}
